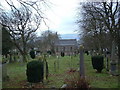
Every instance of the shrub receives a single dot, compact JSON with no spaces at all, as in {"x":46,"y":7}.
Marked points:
{"x":32,"y":54}
{"x":97,"y":62}
{"x":87,"y":52}
{"x":3,"y":60}
{"x":49,"y":52}
{"x":35,"y":71}
{"x":62,"y":54}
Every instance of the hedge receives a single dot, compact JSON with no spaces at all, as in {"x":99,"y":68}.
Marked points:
{"x":35,"y":71}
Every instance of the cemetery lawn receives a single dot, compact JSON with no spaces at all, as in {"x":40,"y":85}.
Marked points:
{"x":17,"y":74}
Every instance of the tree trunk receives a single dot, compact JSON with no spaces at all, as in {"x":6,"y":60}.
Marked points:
{"x":24,"y":57}
{"x":24,"y":54}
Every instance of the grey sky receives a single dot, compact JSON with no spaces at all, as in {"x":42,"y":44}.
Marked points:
{"x":62,"y":17}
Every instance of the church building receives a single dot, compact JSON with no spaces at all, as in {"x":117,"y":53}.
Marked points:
{"x":66,"y":46}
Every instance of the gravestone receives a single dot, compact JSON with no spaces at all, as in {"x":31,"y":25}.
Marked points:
{"x":0,"y":72}
{"x":82,"y":69}
{"x":113,"y":62}
{"x":64,"y":86}
{"x":49,"y":56}
{"x":0,"y":76}
{"x":107,"y":61}
{"x":21,"y":59}
{"x":55,"y":65}
{"x":46,"y":71}
{"x":58,"y":62}
{"x":4,"y":72}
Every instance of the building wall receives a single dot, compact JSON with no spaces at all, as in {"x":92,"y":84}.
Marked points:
{"x":68,"y":50}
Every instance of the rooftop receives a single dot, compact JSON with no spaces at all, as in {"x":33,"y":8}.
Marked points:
{"x":64,"y":42}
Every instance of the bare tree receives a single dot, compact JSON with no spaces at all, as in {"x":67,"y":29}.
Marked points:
{"x":104,"y":16}
{"x":48,"y":40}
{"x":94,"y":30}
{"x":22,"y":20}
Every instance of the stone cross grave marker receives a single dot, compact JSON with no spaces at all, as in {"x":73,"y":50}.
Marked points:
{"x":82,"y":69}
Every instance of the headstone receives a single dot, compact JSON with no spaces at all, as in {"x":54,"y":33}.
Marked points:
{"x":49,"y":56}
{"x":10,"y":57}
{"x":46,"y":68}
{"x":1,"y":72}
{"x":113,"y":60}
{"x":0,"y":76}
{"x":21,"y":58}
{"x":64,"y":86}
{"x":94,"y":52}
{"x":4,"y":72}
{"x":57,"y":57}
{"x":107,"y":61}
{"x":58,"y":62}
{"x":55,"y":66}
{"x":82,"y":70}
{"x":71,"y":64}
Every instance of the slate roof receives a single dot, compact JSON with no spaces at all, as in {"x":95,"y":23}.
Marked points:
{"x":65,"y":42}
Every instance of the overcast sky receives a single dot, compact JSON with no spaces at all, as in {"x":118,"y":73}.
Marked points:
{"x":61,"y":16}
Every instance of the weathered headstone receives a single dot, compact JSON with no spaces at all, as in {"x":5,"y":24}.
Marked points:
{"x":0,"y":76}
{"x":21,"y":59}
{"x":10,"y":57}
{"x":91,"y":52}
{"x":82,"y":70}
{"x":46,"y":71}
{"x":71,"y":63}
{"x":107,"y":61}
{"x":49,"y":56}
{"x":113,"y":60}
{"x":55,"y":65}
{"x":58,"y":62}
{"x":64,"y":86}
{"x":4,"y":72}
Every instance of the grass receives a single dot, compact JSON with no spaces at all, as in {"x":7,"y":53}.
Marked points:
{"x":17,"y":74}
{"x":57,"y":78}
{"x":99,"y":80}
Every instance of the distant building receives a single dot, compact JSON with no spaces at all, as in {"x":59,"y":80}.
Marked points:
{"x":66,"y":46}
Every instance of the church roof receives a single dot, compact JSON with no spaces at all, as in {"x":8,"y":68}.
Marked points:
{"x":64,"y":42}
